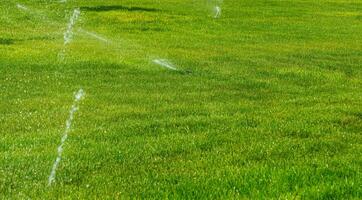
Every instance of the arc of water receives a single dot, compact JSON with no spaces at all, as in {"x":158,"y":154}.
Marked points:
{"x":68,"y":34}
{"x":165,"y":63}
{"x":217,"y":12}
{"x":78,"y":96}
{"x":22,"y":7}
{"x":94,"y":35}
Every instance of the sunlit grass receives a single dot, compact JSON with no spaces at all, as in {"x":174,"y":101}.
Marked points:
{"x":265,"y":102}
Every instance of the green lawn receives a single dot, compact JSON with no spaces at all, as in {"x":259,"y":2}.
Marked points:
{"x":266,"y":102}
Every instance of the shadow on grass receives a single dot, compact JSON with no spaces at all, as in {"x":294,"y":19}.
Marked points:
{"x":10,"y":41}
{"x":117,"y":7}
{"x":6,"y":41}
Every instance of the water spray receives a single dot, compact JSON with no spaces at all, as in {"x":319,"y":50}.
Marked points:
{"x":165,"y":63}
{"x":68,"y":34}
{"x":78,"y":96}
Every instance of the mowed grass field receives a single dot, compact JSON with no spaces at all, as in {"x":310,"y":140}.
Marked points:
{"x":266,"y":102}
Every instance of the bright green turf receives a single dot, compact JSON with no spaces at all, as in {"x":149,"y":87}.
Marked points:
{"x":267,"y":104}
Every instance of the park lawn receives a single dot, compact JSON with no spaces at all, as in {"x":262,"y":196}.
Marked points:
{"x":266,"y":102}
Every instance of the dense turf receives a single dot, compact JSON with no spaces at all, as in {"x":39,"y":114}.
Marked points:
{"x":267,"y":102}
